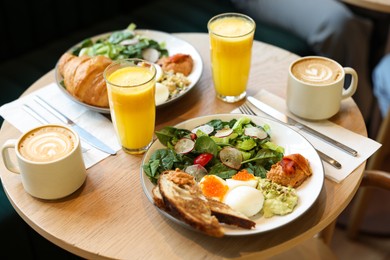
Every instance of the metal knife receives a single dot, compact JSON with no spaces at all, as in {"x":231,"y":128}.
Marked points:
{"x":329,"y":160}
{"x":290,"y":121}
{"x":89,"y":138}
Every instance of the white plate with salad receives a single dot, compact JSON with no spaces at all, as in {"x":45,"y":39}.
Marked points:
{"x":165,"y":43}
{"x":281,"y":135}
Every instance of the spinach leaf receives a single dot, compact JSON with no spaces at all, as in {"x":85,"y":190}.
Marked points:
{"x":222,"y":171}
{"x":257,"y":170}
{"x":169,"y":135}
{"x":204,"y":144}
{"x":218,"y":124}
{"x":265,"y":155}
{"x":163,"y":160}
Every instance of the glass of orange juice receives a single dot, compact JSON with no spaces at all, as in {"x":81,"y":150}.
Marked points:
{"x":131,"y":87}
{"x":231,"y":39}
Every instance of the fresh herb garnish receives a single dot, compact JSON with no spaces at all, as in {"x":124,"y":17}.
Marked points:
{"x":256,"y":154}
{"x":120,"y":45}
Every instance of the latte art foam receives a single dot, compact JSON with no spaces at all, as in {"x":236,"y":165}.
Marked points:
{"x":47,"y":144}
{"x":317,"y":71}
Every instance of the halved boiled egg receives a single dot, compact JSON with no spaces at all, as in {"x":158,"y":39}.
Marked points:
{"x":162,"y":93}
{"x":247,"y":200}
{"x":242,"y":178}
{"x":213,"y":187}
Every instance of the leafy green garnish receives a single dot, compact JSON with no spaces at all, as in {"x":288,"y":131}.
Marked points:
{"x":119,"y":45}
{"x":258,"y":155}
{"x":169,"y":135}
{"x":162,"y":160}
{"x":204,"y":144}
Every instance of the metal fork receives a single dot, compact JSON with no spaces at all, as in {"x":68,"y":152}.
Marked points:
{"x":246,"y":109}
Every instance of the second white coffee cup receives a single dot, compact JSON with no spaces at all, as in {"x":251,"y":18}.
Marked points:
{"x":315,"y":87}
{"x":49,"y":161}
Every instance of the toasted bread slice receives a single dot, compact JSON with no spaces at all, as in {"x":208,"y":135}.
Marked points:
{"x":182,"y":196}
{"x":225,"y":214}
{"x":221,"y":211}
{"x":157,"y":198}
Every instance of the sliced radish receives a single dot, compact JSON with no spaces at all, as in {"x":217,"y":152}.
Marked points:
{"x":231,"y":157}
{"x":223,"y":132}
{"x":129,"y":41}
{"x":255,"y":132}
{"x":150,"y":54}
{"x":196,"y":170}
{"x":207,"y":129}
{"x":184,"y":145}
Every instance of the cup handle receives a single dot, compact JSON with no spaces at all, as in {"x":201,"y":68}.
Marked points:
{"x":11,"y":166}
{"x":352,"y":86}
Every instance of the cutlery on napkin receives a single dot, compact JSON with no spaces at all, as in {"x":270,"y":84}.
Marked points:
{"x":363,"y":145}
{"x":246,"y":109}
{"x":94,"y":122}
{"x":292,"y":122}
{"x":85,"y":135}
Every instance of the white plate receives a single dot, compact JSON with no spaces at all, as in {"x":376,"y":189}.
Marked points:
{"x":292,"y":141}
{"x":173,"y":44}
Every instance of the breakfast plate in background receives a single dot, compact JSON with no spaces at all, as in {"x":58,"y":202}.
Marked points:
{"x":173,"y":44}
{"x":282,"y":135}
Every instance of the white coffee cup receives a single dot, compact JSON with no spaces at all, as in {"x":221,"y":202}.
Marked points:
{"x":315,"y":87}
{"x":49,"y":161}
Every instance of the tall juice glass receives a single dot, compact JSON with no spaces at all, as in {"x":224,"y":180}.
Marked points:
{"x":231,"y":39}
{"x":131,"y":93}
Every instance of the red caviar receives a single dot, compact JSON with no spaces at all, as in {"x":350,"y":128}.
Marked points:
{"x":213,"y":187}
{"x":243,"y":175}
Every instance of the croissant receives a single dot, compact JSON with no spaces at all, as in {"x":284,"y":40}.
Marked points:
{"x":83,"y":78}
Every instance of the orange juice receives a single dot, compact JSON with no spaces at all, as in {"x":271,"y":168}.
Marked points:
{"x":131,"y":93}
{"x":231,"y":38}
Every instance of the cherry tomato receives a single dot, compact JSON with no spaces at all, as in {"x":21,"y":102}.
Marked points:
{"x":203,"y":158}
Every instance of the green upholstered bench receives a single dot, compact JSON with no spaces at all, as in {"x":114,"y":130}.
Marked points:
{"x":36,"y":33}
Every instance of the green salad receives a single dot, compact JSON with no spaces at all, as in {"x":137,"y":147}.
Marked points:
{"x":122,"y":44}
{"x":218,"y":147}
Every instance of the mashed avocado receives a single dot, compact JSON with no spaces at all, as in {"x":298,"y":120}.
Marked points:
{"x":278,"y":199}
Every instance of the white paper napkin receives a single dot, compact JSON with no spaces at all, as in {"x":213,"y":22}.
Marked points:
{"x":365,"y":146}
{"x":94,"y":122}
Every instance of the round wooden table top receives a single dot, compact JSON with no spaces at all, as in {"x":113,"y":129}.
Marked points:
{"x":110,"y":216}
{"x":374,"y":5}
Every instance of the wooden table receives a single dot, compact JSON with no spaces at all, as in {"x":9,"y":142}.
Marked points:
{"x":110,"y":216}
{"x":374,"y":5}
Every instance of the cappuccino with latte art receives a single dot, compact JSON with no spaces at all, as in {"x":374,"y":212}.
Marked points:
{"x":49,"y":161}
{"x":315,"y":87}
{"x":317,"y":71}
{"x":47,"y":144}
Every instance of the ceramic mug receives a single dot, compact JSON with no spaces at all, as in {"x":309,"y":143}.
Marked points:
{"x":49,"y":161}
{"x":315,"y":87}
